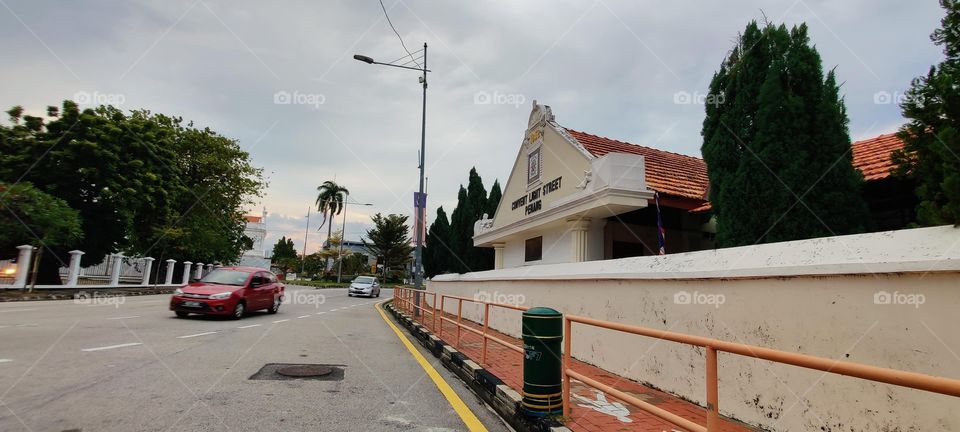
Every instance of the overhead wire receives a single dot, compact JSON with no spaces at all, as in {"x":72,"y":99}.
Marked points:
{"x":396,"y":32}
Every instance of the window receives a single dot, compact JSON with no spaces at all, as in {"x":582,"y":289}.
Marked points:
{"x":534,"y":249}
{"x":533,"y":166}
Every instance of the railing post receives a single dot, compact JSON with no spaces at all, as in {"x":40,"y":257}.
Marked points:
{"x":168,"y":280}
{"x":198,"y":271}
{"x":115,"y":272}
{"x":23,"y":265}
{"x":459,"y":314}
{"x":73,"y":274}
{"x":440,"y":330}
{"x":434,"y":311}
{"x":486,"y":326}
{"x":713,"y":408}
{"x":567,"y":336}
{"x":147,"y":268}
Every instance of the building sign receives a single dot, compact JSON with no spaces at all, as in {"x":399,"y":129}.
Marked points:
{"x":531,"y":203}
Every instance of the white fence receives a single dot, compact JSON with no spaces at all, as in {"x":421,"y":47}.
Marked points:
{"x":115,"y":270}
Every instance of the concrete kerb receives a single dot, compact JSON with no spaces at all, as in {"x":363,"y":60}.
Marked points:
{"x":503,"y":399}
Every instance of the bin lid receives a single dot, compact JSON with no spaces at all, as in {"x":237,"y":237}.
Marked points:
{"x":543,"y":311}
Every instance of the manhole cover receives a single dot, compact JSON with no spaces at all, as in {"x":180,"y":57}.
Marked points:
{"x":299,"y":371}
{"x":303,"y":371}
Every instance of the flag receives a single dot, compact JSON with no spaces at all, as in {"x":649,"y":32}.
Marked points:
{"x":420,"y":213}
{"x":661,"y":233}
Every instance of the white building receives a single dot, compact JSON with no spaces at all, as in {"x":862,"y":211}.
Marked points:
{"x":256,"y":230}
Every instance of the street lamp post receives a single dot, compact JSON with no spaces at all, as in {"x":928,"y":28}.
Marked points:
{"x":420,"y":202}
{"x":343,"y":236}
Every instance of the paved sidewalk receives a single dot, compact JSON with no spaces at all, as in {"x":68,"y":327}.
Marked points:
{"x":592,"y":410}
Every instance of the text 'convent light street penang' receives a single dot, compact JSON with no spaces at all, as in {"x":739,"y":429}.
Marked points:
{"x":705,"y":219}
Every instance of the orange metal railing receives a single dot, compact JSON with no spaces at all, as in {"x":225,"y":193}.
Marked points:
{"x":913,"y":380}
{"x":406,"y":300}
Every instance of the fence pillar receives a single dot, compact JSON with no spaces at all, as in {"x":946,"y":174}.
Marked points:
{"x":147,"y":268}
{"x":209,"y":269}
{"x":73,"y":270}
{"x":23,"y":265}
{"x":115,"y":271}
{"x":198,"y":272}
{"x":169,"y":279}
{"x":186,"y":272}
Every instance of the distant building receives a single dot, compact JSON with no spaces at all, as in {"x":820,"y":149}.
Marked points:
{"x":256,"y":230}
{"x":573,"y":196}
{"x":351,"y":246}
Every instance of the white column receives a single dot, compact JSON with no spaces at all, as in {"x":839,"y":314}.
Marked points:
{"x":198,"y":272}
{"x":209,"y":269}
{"x":169,"y":279}
{"x":498,"y":255}
{"x":147,"y":267}
{"x":74,"y":268}
{"x":23,"y":265}
{"x":186,"y":272}
{"x":579,"y":233}
{"x":115,"y":273}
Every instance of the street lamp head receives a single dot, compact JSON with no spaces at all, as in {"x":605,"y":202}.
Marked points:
{"x":363,"y":58}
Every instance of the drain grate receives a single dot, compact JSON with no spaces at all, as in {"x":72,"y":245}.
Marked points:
{"x":299,"y":371}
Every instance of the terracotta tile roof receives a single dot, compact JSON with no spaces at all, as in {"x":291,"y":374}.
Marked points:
{"x":686,"y":176}
{"x":667,"y":173}
{"x":253,"y":219}
{"x":872,"y":156}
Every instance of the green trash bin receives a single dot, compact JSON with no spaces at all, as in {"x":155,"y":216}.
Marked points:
{"x":542,"y":383}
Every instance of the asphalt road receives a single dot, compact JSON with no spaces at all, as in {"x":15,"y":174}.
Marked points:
{"x":130,"y":365}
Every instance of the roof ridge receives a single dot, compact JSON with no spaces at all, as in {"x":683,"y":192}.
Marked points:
{"x":630,"y":143}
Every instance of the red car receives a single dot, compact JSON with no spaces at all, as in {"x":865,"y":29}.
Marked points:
{"x":231,"y":291}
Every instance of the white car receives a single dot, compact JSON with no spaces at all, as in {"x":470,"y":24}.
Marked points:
{"x":364,"y":286}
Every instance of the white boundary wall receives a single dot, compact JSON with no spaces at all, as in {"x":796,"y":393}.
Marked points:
{"x":832,"y":297}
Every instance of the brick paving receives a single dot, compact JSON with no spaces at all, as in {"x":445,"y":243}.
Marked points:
{"x":507,"y":365}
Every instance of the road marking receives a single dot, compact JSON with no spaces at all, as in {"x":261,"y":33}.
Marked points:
{"x":6,"y":360}
{"x":319,"y":313}
{"x":27,"y":325}
{"x":469,"y":418}
{"x":280,"y":321}
{"x":149,"y":301}
{"x":112,"y":347}
{"x":195,"y":335}
{"x":249,"y":326}
{"x":16,"y":310}
{"x":126,"y":317}
{"x":304,"y":316}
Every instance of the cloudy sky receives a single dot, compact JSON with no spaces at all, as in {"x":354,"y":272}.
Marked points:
{"x":621,"y":69}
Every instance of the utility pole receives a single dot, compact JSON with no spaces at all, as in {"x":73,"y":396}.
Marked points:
{"x":306,"y":231}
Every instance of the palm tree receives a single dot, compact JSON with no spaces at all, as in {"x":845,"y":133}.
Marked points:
{"x":331,"y":198}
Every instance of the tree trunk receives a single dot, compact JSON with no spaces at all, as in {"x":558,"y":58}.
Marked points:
{"x":326,"y":262}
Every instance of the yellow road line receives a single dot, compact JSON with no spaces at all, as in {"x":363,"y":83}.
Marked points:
{"x":468,"y":417}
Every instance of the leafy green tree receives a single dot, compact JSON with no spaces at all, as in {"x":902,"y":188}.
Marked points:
{"x":389,"y":240}
{"x":436,"y":254}
{"x":285,"y":255}
{"x":932,"y":135}
{"x":331,"y":198}
{"x":461,"y":232}
{"x":776,"y":143}
{"x":143,"y":183}
{"x":353,"y":264}
{"x":493,"y":200}
{"x":28,"y":216}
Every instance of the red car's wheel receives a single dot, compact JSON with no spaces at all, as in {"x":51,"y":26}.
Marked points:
{"x":238,"y":311}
